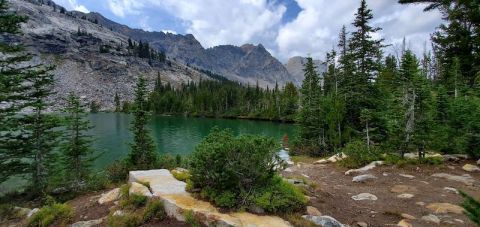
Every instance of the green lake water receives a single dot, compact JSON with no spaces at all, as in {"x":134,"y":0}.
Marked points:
{"x":173,"y":135}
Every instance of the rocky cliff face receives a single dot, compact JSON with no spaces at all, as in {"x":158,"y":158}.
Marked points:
{"x":295,"y":66}
{"x":74,"y":46}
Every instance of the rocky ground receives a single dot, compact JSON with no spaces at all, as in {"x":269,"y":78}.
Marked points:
{"x":388,"y":195}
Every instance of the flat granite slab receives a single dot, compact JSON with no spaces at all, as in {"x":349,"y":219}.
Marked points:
{"x":177,"y":201}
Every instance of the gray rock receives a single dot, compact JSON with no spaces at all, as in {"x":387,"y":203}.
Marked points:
{"x":431,"y":218}
{"x":118,"y":213}
{"x":478,"y":162}
{"x":32,"y":212}
{"x":324,"y":221}
{"x":405,"y":196}
{"x":88,"y":223}
{"x":110,"y":196}
{"x":466,"y":178}
{"x":364,"y":196}
{"x":450,"y":189}
{"x":364,"y":178}
{"x":407,"y":176}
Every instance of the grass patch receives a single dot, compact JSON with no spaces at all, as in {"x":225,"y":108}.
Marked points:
{"x":154,"y":210}
{"x":134,"y":201}
{"x":303,"y":158}
{"x":190,"y":219}
{"x":394,"y":159}
{"x":181,"y":176}
{"x":126,"y":220}
{"x":297,"y":220}
{"x":59,"y":212}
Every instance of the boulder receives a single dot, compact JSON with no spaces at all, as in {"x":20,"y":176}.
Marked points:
{"x":110,"y":196}
{"x":466,"y":179}
{"x":400,"y":188}
{"x":427,"y":155}
{"x":90,"y":223}
{"x":362,"y":224}
{"x":478,"y":162}
{"x":405,"y":196}
{"x":136,"y":188}
{"x":450,"y":158}
{"x":404,"y":223}
{"x":32,"y":212}
{"x":407,"y":176}
{"x":321,"y":161}
{"x":177,"y":201}
{"x":431,"y":218}
{"x":337,"y":157}
{"x":325,"y":221}
{"x":443,"y":208}
{"x":364,"y":196}
{"x":118,"y":213}
{"x":363,"y":178}
{"x":313,"y":211}
{"x":420,"y":203}
{"x":449,"y":189}
{"x":471,"y":168}
{"x":365,"y":168}
{"x":408,"y":216}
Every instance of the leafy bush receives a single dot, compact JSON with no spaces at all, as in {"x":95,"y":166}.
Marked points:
{"x":472,"y":208}
{"x":359,"y":154}
{"x":134,"y":201}
{"x":236,"y":172}
{"x":117,"y":171}
{"x":126,"y":220}
{"x":154,"y":209}
{"x":51,"y":213}
{"x":190,"y":219}
{"x":181,"y":176}
{"x":280,"y":196}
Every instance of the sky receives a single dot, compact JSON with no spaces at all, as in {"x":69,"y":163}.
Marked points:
{"x":286,"y":28}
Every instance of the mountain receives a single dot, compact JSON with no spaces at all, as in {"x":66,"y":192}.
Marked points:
{"x":90,"y":59}
{"x":295,"y":66}
{"x":246,"y":64}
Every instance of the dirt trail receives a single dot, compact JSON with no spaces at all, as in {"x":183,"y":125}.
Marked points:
{"x":335,"y":189}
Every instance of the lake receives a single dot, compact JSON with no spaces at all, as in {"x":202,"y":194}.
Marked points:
{"x":172,"y":135}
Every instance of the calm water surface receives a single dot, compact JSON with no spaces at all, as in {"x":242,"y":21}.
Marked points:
{"x":173,"y":135}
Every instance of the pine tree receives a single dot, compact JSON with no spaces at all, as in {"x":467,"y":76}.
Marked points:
{"x":142,"y":153}
{"x":12,"y":83}
{"x":309,"y":114}
{"x":118,"y":105}
{"x":76,"y":146}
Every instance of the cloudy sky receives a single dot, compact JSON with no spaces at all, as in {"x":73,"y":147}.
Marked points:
{"x":285,"y":27}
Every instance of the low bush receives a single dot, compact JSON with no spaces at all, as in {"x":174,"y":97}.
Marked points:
{"x":181,"y":176}
{"x":359,"y":154}
{"x":117,"y":171}
{"x":298,"y":221}
{"x":190,"y":219}
{"x":154,"y":210}
{"x":395,"y":159}
{"x":125,"y":220}
{"x":134,"y":201}
{"x":51,"y":213}
{"x":237,"y":172}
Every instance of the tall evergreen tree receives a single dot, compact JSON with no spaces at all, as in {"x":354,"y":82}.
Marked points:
{"x":76,"y":151}
{"x":309,"y":115}
{"x":142,"y":152}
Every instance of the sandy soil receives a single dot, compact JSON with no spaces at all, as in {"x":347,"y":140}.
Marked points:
{"x":334,"y":190}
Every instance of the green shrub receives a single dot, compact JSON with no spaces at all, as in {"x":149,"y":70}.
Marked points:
{"x":154,"y":209}
{"x":395,"y":159}
{"x":7,"y":211}
{"x":190,"y":219}
{"x":181,"y":176}
{"x":126,"y":220}
{"x":117,"y":171}
{"x":280,"y":196}
{"x":359,"y":154}
{"x":51,"y":213}
{"x":472,"y":208}
{"x":98,"y":181}
{"x":298,"y":221}
{"x":134,"y":201}
{"x":225,"y":168}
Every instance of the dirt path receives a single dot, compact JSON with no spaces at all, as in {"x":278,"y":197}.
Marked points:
{"x":333,"y":195}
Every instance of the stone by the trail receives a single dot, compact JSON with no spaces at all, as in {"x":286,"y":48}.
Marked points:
{"x":179,"y":170}
{"x":118,"y":213}
{"x":404,"y":223}
{"x":420,"y":203}
{"x":443,"y":208}
{"x":332,"y":159}
{"x":136,"y":188}
{"x":90,"y":223}
{"x":405,"y":196}
{"x":400,"y":188}
{"x":427,"y":155}
{"x":478,"y":162}
{"x":466,"y":178}
{"x":408,"y":216}
{"x":449,"y":189}
{"x":288,"y":170}
{"x":450,"y":158}
{"x":325,"y":221}
{"x":471,"y":168}
{"x":385,"y":174}
{"x":362,"y":224}
{"x":364,"y":169}
{"x":459,"y":221}
{"x":364,"y":196}
{"x":177,"y":201}
{"x":110,"y":196}
{"x":431,"y":218}
{"x":32,"y":212}
{"x":363,"y":178}
{"x":313,"y":211}
{"x":407,"y":176}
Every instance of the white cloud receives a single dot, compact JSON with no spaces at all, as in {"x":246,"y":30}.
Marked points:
{"x":314,"y":31}
{"x":72,"y":5}
{"x":316,"y":28}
